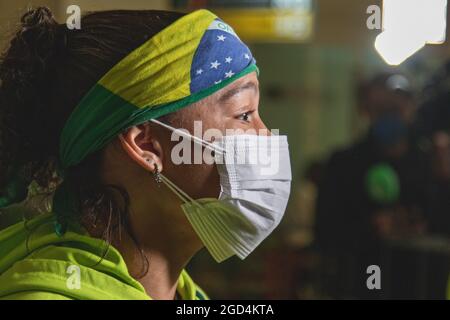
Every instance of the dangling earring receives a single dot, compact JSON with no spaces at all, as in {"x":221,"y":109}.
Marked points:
{"x":157,"y":175}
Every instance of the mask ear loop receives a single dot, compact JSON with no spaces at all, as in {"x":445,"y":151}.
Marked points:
{"x":185,"y":198}
{"x":180,"y":193}
{"x":206,"y":144}
{"x":172,"y":186}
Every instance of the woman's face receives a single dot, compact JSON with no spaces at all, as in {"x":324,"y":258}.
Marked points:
{"x":233,"y":107}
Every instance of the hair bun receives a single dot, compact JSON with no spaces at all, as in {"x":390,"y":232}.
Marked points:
{"x":26,"y":69}
{"x":38,"y":17}
{"x":40,"y":32}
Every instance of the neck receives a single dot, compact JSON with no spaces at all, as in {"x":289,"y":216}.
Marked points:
{"x":161,"y":279}
{"x":160,"y":253}
{"x":157,"y":231}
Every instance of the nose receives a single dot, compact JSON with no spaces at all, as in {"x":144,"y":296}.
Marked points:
{"x":262,"y":129}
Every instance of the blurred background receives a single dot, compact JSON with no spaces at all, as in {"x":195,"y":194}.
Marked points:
{"x":370,"y":151}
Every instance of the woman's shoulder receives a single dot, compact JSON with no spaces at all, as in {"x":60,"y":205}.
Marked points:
{"x":188,"y":289}
{"x":35,"y":295}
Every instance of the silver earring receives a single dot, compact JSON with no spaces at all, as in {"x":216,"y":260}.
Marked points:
{"x":157,"y":175}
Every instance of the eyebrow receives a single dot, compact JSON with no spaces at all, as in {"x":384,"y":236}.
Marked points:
{"x":232,"y":92}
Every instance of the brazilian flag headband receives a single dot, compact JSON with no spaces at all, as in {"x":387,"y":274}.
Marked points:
{"x":187,"y":61}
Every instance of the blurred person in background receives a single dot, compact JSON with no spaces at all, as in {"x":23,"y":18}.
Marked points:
{"x":374,"y":188}
{"x":433,"y":126}
{"x":299,"y":220}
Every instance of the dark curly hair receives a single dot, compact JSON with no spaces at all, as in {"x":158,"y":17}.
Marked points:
{"x":44,"y":73}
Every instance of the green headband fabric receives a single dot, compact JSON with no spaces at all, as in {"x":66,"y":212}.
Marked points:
{"x":192,"y":58}
{"x":88,"y":131}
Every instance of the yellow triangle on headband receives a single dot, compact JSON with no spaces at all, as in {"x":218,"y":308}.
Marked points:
{"x":158,"y":72}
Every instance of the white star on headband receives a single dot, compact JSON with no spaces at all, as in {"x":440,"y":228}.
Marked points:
{"x":246,"y":56}
{"x":221,"y":38}
{"x":215,"y":64}
{"x":228,"y":59}
{"x":229,"y":74}
{"x":199,"y":71}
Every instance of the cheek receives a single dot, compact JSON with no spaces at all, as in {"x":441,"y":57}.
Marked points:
{"x":197,"y":180}
{"x":207,"y":183}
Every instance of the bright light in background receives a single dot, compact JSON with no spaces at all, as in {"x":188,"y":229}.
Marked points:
{"x":396,"y":47}
{"x":408,"y":25}
{"x":427,"y":18}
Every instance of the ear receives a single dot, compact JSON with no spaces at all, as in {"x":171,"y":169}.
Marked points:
{"x":142,"y":147}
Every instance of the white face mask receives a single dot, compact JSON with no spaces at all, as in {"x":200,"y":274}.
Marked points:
{"x":255,"y":182}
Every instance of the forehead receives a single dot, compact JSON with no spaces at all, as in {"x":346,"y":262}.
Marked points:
{"x":197,"y":109}
{"x":249,"y":81}
{"x":251,"y":77}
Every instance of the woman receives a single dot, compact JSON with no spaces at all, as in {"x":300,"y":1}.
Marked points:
{"x":78,"y":112}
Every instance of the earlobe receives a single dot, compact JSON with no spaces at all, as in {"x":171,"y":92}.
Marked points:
{"x":143,"y":149}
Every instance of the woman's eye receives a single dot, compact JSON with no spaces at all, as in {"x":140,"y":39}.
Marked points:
{"x":245,"y":116}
